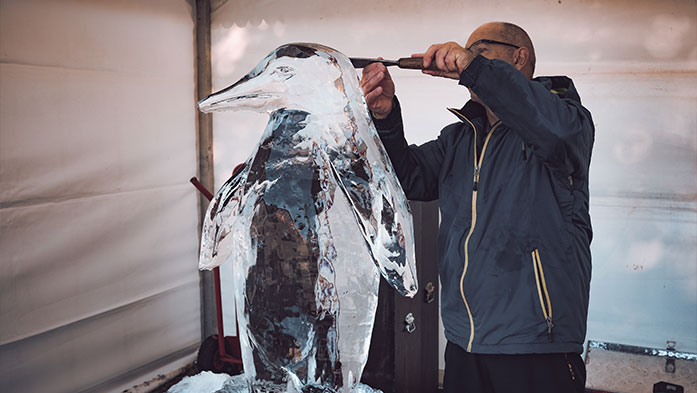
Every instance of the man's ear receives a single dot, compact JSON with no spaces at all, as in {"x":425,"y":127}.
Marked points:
{"x":521,"y":57}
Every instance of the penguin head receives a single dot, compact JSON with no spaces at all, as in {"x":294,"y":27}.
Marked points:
{"x":304,"y":77}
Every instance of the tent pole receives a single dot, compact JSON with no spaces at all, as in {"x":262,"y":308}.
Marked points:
{"x":204,"y":146}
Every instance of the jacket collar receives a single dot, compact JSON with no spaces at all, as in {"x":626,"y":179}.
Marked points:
{"x":472,"y":111}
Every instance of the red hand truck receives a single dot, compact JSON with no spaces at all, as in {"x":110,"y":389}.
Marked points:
{"x":218,"y":353}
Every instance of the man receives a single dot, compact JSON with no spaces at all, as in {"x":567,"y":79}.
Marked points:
{"x":514,"y":240}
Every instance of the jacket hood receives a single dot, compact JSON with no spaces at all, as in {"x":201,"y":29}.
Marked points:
{"x":560,"y":85}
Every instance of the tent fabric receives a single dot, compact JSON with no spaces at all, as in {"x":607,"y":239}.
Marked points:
{"x":99,"y":286}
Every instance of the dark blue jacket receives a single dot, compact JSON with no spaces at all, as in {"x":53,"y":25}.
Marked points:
{"x":515,"y":233}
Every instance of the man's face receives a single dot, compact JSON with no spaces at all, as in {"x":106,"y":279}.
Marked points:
{"x":487,"y":49}
{"x":481,"y":42}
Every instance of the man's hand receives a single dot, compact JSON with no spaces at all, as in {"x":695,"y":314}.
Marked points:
{"x":378,"y":89}
{"x":450,"y":59}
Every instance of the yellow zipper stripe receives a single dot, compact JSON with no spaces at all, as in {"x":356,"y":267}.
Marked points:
{"x":462,"y":278}
{"x":537,"y":282}
{"x":544,"y":284}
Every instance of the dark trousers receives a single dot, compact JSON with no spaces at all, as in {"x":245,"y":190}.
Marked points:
{"x":531,"y":373}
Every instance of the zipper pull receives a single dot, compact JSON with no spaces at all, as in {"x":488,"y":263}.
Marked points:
{"x":550,"y":325}
{"x":525,"y":156}
{"x":476,"y":177}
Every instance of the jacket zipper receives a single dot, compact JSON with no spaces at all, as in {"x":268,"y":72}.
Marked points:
{"x":545,"y":301}
{"x":475,"y":186}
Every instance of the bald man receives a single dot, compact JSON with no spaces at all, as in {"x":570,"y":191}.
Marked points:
{"x":511,"y":178}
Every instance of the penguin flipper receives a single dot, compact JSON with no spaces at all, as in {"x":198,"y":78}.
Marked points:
{"x":219,"y":220}
{"x":384,"y":229}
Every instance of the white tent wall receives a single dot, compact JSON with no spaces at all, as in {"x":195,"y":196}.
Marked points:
{"x":99,"y":288}
{"x":635,"y":66}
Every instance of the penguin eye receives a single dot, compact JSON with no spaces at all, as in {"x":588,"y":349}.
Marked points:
{"x":284,"y":71}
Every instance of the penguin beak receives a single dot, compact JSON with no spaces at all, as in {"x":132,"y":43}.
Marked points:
{"x":254,"y":93}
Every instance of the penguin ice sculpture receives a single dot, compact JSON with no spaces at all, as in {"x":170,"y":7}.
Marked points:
{"x":309,"y":224}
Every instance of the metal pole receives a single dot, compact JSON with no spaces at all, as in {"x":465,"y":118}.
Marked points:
{"x":204,"y":146}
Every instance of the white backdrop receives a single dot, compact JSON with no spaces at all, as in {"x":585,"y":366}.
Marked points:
{"x":99,"y":288}
{"x":635,"y":66}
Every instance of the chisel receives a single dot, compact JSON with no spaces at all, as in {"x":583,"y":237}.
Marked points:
{"x":412,"y":63}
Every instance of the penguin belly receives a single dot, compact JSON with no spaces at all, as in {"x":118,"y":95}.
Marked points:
{"x":279,"y":297}
{"x":310,"y":297}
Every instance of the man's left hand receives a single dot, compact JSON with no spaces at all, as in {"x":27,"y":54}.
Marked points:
{"x":450,"y":59}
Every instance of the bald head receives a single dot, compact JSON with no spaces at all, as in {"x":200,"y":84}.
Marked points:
{"x":511,"y":34}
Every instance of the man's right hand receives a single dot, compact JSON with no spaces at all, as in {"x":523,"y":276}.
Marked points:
{"x":378,"y":89}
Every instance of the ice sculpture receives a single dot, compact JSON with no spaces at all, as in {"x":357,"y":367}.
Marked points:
{"x":309,"y":223}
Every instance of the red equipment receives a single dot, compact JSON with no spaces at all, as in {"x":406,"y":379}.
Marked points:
{"x":218,"y":353}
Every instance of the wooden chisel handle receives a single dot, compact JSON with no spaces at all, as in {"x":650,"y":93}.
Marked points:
{"x":414,"y":63}
{"x":411,"y":63}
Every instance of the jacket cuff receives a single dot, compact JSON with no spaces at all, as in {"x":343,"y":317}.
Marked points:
{"x":470,"y":74}
{"x":392,"y":120}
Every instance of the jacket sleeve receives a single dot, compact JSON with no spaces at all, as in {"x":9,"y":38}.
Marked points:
{"x":417,"y":167}
{"x":557,"y":128}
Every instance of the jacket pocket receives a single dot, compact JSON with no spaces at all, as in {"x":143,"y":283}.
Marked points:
{"x":541,"y":283}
